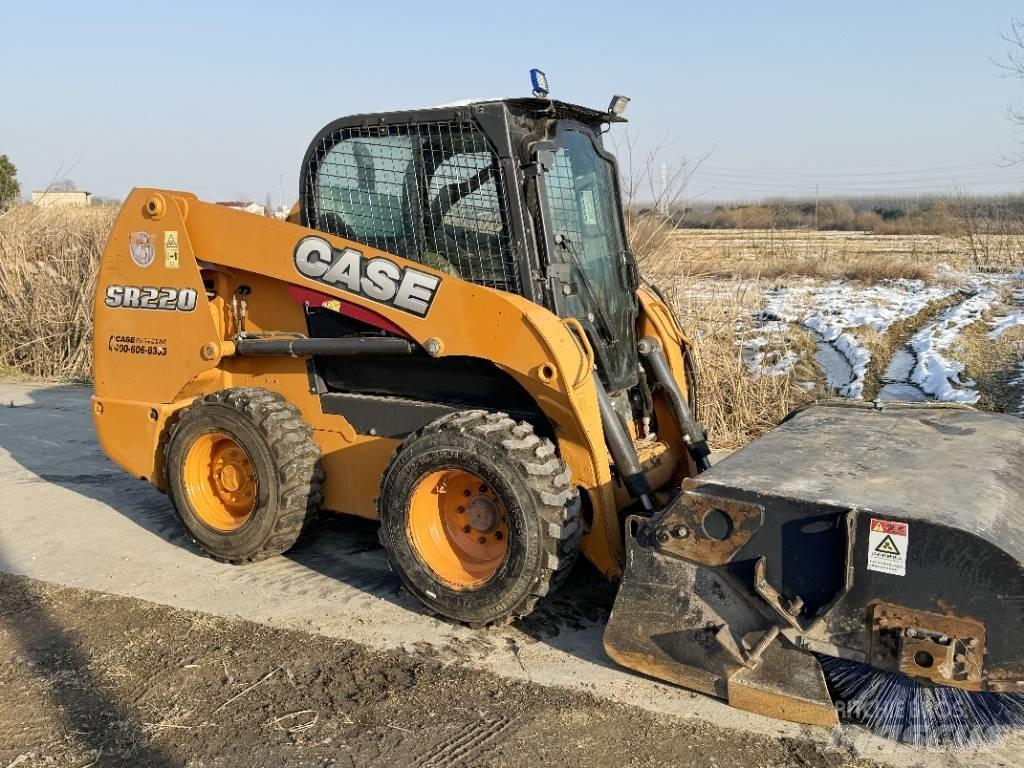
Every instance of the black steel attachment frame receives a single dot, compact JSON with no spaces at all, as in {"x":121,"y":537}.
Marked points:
{"x":779,"y":553}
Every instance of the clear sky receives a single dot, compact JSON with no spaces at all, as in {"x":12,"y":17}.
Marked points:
{"x":222,"y":98}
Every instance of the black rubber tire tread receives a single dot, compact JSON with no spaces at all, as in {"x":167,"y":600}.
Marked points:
{"x":552,"y":499}
{"x":290,"y":476}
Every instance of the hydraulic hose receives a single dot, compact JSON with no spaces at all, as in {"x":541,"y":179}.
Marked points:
{"x":694,"y":437}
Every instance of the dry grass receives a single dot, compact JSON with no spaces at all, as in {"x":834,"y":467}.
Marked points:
{"x":734,"y":406}
{"x":717,"y":281}
{"x":772,"y":254}
{"x":994,"y":364}
{"x":48,"y":264}
{"x":869,"y":269}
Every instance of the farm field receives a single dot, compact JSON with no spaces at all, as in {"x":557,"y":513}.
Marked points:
{"x":779,"y":318}
{"x":782,"y":318}
{"x":823,"y":253}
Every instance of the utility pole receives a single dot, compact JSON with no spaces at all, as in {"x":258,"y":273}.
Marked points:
{"x":280,"y":181}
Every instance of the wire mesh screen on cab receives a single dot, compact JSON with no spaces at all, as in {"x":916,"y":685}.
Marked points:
{"x":428,"y":192}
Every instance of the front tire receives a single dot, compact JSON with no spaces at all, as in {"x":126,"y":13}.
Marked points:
{"x":243,"y":474}
{"x":478,"y":517}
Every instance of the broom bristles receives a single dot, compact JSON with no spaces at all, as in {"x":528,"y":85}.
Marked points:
{"x":892,"y":705}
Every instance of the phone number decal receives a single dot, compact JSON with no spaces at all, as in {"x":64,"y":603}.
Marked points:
{"x":137,"y":345}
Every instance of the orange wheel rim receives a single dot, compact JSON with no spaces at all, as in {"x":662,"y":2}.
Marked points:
{"x":457,"y":526}
{"x":220,"y":482}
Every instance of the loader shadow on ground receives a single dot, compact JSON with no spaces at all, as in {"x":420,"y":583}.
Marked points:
{"x":95,"y":723}
{"x":49,"y":433}
{"x":346,"y":549}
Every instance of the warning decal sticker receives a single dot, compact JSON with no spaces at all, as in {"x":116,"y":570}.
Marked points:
{"x":887,"y":547}
{"x":171,"y":249}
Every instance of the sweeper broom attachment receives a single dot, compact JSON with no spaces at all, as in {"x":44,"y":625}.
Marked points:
{"x":858,"y":562}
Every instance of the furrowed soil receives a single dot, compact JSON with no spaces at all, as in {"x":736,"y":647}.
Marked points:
{"x":90,"y":679}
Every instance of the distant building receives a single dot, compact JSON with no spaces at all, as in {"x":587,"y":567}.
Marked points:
{"x":51,"y":198}
{"x":256,"y":208}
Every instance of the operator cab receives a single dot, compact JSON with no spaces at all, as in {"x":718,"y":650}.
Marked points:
{"x":517,"y":195}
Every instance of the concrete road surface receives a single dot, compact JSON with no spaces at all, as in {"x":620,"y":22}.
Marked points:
{"x":69,"y":516}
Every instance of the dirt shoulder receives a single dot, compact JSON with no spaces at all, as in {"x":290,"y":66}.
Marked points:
{"x":88,"y":678}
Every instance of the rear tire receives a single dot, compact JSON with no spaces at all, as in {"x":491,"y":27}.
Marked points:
{"x":243,"y":472}
{"x":478,"y":517}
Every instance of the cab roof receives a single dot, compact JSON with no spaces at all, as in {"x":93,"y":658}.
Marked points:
{"x":561,"y":110}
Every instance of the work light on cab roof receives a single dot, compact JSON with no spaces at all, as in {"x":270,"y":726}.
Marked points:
{"x":539,"y":82}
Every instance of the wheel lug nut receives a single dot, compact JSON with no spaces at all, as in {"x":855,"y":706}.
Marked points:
{"x":466,"y":492}
{"x":460,"y":510}
{"x":466,"y":529}
{"x":499,"y":535}
{"x":482,"y":540}
{"x":483,"y":489}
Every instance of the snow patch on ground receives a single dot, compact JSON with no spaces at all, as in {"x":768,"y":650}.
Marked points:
{"x":767,"y":362}
{"x":842,"y":306}
{"x":1002,"y":324}
{"x":832,"y":311}
{"x":779,"y":307}
{"x":935,"y":373}
{"x":1013,"y":319}
{"x":850,"y":347}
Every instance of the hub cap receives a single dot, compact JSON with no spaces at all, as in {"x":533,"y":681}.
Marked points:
{"x":457,"y":527}
{"x":220,"y":482}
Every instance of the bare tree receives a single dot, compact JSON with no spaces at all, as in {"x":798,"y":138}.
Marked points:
{"x":1012,"y":65}
{"x":654,"y":193}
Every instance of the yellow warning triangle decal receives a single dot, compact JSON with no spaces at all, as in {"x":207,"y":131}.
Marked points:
{"x":878,"y":527}
{"x":888,"y":546}
{"x":171,"y":240}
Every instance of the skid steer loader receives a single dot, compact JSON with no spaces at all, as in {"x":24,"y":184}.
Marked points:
{"x":450,"y":334}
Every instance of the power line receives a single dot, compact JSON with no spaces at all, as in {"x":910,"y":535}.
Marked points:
{"x":829,"y":185}
{"x":925,"y":171}
{"x":754,"y":178}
